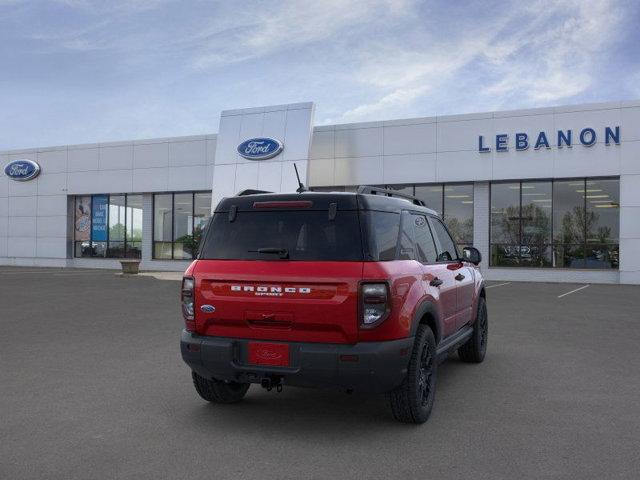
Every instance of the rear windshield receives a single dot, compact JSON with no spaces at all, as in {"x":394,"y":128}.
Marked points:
{"x":304,"y":235}
{"x":383,"y":228}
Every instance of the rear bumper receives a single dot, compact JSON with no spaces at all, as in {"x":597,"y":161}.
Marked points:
{"x":380,"y":366}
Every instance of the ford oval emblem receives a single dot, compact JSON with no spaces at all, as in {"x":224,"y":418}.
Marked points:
{"x":260,"y":148}
{"x":208,"y":308}
{"x":22,"y":170}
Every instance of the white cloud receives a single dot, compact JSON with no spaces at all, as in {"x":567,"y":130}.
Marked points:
{"x":544,"y":52}
{"x":397,"y":98}
{"x":287,"y":25}
{"x":554,"y":63}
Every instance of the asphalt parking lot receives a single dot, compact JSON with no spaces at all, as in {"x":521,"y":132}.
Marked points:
{"x":92,"y":386}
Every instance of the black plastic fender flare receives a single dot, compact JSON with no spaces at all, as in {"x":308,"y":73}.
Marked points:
{"x":428,"y":307}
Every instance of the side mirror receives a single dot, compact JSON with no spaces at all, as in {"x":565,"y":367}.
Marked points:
{"x":472,"y":255}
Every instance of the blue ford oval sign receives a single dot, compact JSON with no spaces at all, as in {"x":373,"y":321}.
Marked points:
{"x":22,"y":170}
{"x":260,"y":148}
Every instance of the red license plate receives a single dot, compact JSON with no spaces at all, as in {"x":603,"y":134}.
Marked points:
{"x":273,"y":354}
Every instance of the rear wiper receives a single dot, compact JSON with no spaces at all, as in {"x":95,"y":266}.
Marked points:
{"x":281,"y":252}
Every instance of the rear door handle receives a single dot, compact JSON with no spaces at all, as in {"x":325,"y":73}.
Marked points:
{"x":459,"y":277}
{"x":436,"y":282}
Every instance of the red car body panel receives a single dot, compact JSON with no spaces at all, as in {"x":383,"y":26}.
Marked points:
{"x":330,"y":311}
{"x":302,"y":301}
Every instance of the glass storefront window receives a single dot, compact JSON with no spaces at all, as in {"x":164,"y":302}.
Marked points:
{"x":82,"y":226}
{"x":182,"y":225}
{"x":162,"y":225}
{"x":458,"y":213}
{"x":402,"y":189}
{"x":431,"y":195}
{"x":117,"y":219}
{"x":569,"y":223}
{"x":134,"y":226}
{"x":603,"y":223}
{"x":564,"y":224}
{"x":108,"y":226}
{"x":453,"y":202}
{"x":505,"y":224}
{"x":179,"y":220}
{"x":536,"y":207}
{"x":201,"y":213}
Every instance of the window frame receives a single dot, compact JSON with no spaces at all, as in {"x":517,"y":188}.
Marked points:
{"x":193,"y":193}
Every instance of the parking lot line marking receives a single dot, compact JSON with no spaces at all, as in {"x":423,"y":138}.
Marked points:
{"x":573,"y":291}
{"x":498,"y":285}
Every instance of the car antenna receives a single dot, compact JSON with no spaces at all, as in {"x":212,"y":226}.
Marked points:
{"x":301,"y":188}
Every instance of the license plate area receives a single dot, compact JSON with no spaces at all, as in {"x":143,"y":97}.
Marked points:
{"x":271,"y":354}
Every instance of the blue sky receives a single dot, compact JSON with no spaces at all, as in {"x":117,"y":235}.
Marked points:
{"x":76,"y":71}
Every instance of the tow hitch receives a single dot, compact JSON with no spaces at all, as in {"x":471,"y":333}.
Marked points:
{"x":270,"y":383}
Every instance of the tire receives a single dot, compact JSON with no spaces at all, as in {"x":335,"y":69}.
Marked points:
{"x":412,"y":401}
{"x":474,"y":350}
{"x":217,"y":391}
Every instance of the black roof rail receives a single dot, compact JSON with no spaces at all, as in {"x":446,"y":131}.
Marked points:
{"x":366,"y":189}
{"x":251,"y":191}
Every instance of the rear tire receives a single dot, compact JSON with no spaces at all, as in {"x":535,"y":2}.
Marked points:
{"x":217,"y":391}
{"x":476,"y":347}
{"x":412,"y":401}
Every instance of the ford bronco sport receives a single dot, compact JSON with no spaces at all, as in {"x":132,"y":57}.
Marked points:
{"x":362,"y":291}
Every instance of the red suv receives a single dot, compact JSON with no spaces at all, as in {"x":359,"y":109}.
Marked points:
{"x":362,"y":291}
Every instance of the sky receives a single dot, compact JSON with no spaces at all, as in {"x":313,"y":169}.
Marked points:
{"x":80,"y":71}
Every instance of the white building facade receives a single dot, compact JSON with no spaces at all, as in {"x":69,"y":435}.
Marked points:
{"x":549,"y":194}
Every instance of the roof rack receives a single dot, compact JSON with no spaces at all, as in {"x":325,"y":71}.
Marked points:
{"x":366,"y":189}
{"x":251,"y":191}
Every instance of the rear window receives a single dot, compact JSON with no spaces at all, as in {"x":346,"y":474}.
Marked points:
{"x":305,"y":235}
{"x":383,"y":228}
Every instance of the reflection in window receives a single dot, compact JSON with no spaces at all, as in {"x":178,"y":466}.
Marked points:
{"x":505,"y":224}
{"x":82,"y":226}
{"x":134,"y":226}
{"x":108,"y":226}
{"x":162,"y":225}
{"x":201,"y":213}
{"x":603,"y":225}
{"x":446,"y":248}
{"x":458,"y":213}
{"x":182,"y":225}
{"x":179,"y":220}
{"x":384,"y":227}
{"x":117,"y":219}
{"x":536,"y":200}
{"x":569,"y":223}
{"x":565,"y":224}
{"x":431,"y":195}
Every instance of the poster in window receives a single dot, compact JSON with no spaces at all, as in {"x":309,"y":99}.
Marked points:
{"x":83,"y":219}
{"x":99,"y":218}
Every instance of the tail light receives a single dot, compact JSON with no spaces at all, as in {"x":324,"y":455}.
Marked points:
{"x":186,"y":298}
{"x":375,"y":303}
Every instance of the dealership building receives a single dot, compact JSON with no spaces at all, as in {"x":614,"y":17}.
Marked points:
{"x":547,"y":194}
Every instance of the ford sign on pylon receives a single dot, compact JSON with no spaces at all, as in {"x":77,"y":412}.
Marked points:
{"x":22,"y":170}
{"x":260,"y":148}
